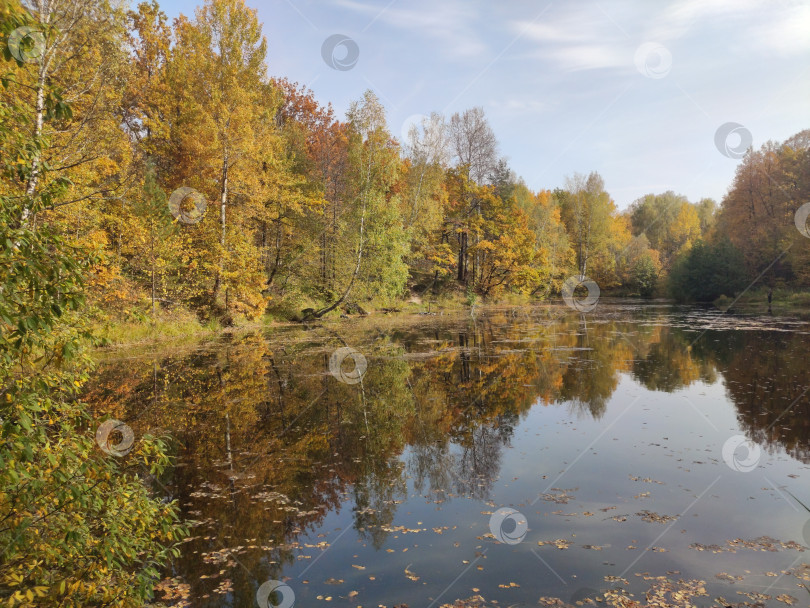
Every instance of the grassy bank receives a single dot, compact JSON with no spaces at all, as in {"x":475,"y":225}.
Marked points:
{"x":784,"y":301}
{"x":177,"y":327}
{"x":180,"y":327}
{"x":184,"y":327}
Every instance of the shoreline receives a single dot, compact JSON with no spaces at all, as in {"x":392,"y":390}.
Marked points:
{"x":178,"y":333}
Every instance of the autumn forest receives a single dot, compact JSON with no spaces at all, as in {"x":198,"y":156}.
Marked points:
{"x":160,"y":187}
{"x":280,"y":205}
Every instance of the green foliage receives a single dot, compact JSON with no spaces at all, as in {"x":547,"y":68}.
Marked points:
{"x":385,"y":271}
{"x":77,"y":527}
{"x":670,"y":222}
{"x":154,"y":248}
{"x":708,"y":271}
{"x":377,"y":235}
{"x":644,"y":275}
{"x":470,"y":297}
{"x":587,"y":212}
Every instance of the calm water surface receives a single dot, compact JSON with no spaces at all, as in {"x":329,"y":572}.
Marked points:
{"x":612,"y":436}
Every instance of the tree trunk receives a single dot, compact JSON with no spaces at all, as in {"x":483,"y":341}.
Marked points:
{"x":318,"y":314}
{"x":153,"y":275}
{"x":223,"y":203}
{"x":39,"y":112}
{"x":44,"y":10}
{"x":462,"y":257}
{"x":587,"y":249}
{"x":415,"y":206}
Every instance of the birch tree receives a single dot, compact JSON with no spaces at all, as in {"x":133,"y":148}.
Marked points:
{"x":587,"y":211}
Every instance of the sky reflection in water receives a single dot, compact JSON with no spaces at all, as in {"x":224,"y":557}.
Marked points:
{"x":605,"y":432}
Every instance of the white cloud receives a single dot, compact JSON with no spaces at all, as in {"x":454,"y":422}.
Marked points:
{"x":449,"y":23}
{"x":574,"y":40}
{"x":548,"y":32}
{"x":781,"y":28}
{"x":786,"y":33}
{"x":589,"y":37}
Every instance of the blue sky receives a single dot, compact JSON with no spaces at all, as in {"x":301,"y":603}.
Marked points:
{"x":635,"y":90}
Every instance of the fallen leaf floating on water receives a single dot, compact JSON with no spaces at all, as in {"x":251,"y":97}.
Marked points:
{"x":663,"y":593}
{"x":802,"y":572}
{"x":555,"y":602}
{"x":651,"y":517}
{"x":221,"y":556}
{"x":174,"y":592}
{"x":405,"y":530}
{"x":757,"y":597}
{"x":410,"y":575}
{"x":471,"y":602}
{"x":560,"y":543}
{"x":561,"y":497}
{"x":787,"y":599}
{"x":647,"y":480}
{"x":763,"y":543}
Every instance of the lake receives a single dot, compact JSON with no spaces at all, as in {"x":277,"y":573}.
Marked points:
{"x":640,"y":450}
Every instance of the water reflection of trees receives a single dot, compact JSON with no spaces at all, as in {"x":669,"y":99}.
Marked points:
{"x":668,"y":363}
{"x":765,"y":375}
{"x":270,"y":441}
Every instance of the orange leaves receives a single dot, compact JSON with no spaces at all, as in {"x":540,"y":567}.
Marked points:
{"x":757,"y":214}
